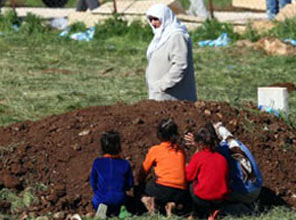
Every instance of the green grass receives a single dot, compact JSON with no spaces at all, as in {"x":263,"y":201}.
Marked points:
{"x":274,"y":214}
{"x":43,"y":74}
{"x":20,"y":201}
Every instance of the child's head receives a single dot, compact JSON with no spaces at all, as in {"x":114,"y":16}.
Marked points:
{"x":110,"y":143}
{"x":207,"y":136}
{"x":167,"y":130}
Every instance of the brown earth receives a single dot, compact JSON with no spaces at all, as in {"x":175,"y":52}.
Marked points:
{"x":289,"y":86}
{"x":59,"y":150}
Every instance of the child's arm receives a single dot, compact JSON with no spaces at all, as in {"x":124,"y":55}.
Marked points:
{"x":235,"y":151}
{"x":222,"y":132}
{"x":189,"y":141}
{"x":94,"y":177}
{"x":130,"y":178}
{"x":130,"y":182}
{"x":192,"y":168}
{"x":141,"y":176}
{"x":146,"y":166}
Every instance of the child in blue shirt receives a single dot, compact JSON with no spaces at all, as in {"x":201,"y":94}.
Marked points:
{"x":246,"y":178}
{"x":110,"y":176}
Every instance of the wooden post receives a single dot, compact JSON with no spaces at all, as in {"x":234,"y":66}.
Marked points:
{"x":12,"y":4}
{"x":211,"y":7}
{"x":114,"y":6}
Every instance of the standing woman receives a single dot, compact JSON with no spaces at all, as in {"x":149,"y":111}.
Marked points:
{"x":170,"y":72}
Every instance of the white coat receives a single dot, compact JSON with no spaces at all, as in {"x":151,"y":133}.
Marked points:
{"x":170,"y":72}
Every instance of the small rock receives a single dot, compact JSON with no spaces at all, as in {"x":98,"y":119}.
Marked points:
{"x":76,"y":147}
{"x":207,"y":112}
{"x":89,"y":215}
{"x":138,"y":121}
{"x":59,"y":215}
{"x":199,"y":104}
{"x":83,"y":133}
{"x":76,"y":217}
{"x":42,"y":218}
{"x":233,"y":122}
{"x":23,"y":216}
{"x":219,"y":115}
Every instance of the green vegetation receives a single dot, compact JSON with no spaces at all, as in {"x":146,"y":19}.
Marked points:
{"x":274,"y":214}
{"x":42,"y":73}
{"x":211,"y":29}
{"x":286,"y":29}
{"x":18,"y":202}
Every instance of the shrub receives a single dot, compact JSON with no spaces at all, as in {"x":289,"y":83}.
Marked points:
{"x":251,"y":34}
{"x":285,"y":29}
{"x":212,"y":29}
{"x":117,"y":27}
{"x":77,"y":27}
{"x":34,"y":24}
{"x":8,"y":20}
{"x":139,"y":31}
{"x":114,"y":26}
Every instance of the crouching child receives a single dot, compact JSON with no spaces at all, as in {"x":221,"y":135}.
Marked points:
{"x":168,"y":191}
{"x":246,"y":178}
{"x":111,"y":176}
{"x":208,"y":173}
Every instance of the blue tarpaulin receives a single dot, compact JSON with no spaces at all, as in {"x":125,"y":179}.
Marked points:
{"x":222,"y":40}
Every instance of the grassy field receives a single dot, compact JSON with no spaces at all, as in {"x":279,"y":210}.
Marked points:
{"x":43,"y":74}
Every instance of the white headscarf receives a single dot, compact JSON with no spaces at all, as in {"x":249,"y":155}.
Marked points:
{"x":169,"y":25}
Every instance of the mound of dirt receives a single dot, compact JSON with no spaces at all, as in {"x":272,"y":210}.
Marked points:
{"x":59,"y":150}
{"x":288,"y":85}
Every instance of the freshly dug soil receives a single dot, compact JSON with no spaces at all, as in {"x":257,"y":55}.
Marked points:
{"x":288,"y":85}
{"x":58,"y":151}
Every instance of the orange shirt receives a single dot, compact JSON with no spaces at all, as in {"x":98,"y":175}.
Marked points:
{"x":169,"y":165}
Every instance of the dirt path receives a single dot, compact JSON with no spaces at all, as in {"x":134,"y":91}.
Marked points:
{"x":238,"y":17}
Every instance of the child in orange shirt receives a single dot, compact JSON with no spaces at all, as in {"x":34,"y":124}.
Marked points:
{"x":168,"y":161}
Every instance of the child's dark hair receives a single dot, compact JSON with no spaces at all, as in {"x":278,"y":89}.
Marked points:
{"x":167,"y":130}
{"x":110,"y":143}
{"x":207,"y":135}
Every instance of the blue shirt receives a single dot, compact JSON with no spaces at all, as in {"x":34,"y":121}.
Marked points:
{"x":110,"y":178}
{"x":237,"y":183}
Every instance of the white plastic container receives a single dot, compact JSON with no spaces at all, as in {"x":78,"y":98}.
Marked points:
{"x":273,"y":97}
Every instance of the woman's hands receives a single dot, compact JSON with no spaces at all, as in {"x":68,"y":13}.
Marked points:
{"x":189,"y":141}
{"x":221,"y":131}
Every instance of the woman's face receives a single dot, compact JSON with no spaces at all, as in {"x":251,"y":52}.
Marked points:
{"x":154,"y":21}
